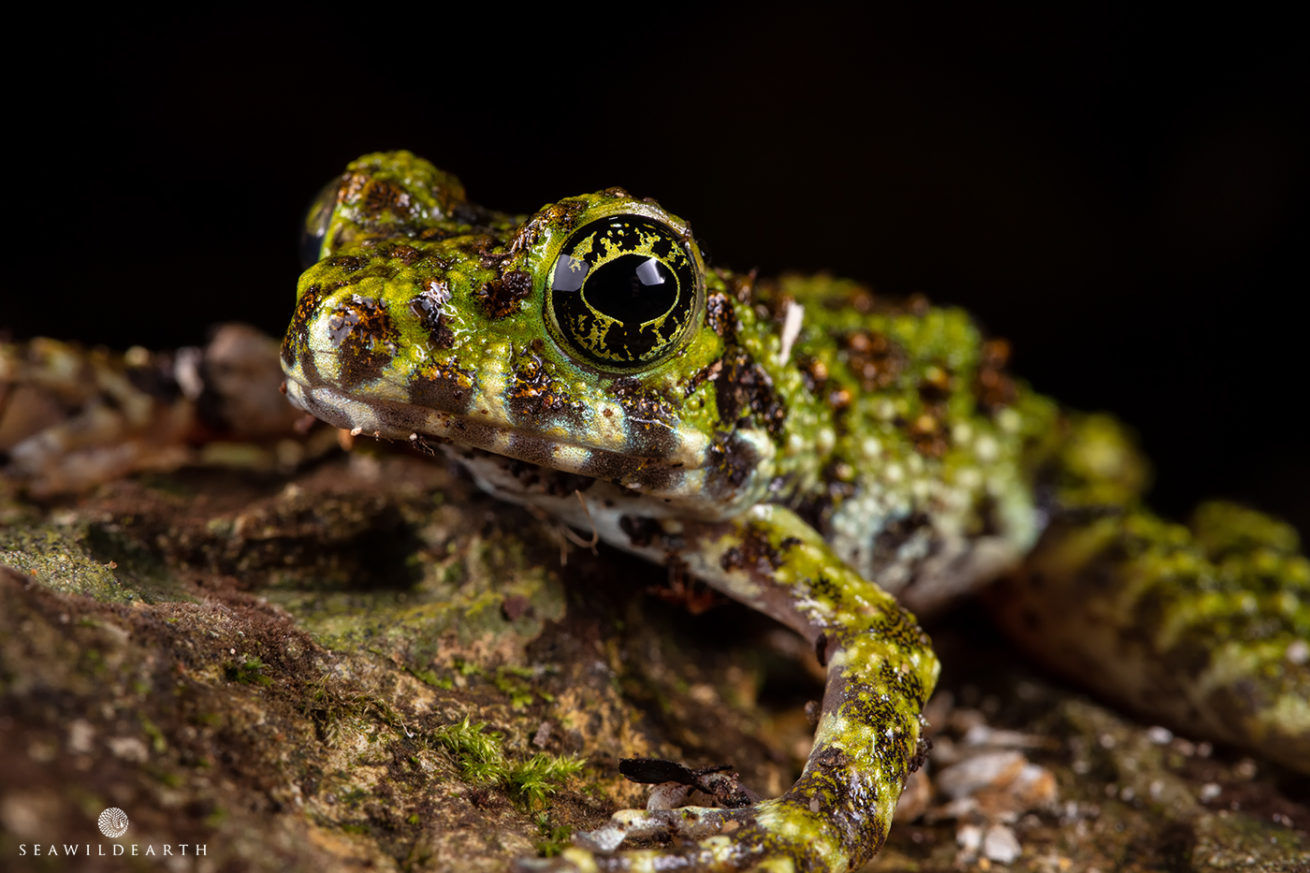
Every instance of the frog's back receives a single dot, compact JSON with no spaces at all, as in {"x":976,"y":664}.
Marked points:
{"x":930,"y":470}
{"x":908,"y":445}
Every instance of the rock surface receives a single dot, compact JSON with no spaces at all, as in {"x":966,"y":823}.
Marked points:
{"x":367,"y":664}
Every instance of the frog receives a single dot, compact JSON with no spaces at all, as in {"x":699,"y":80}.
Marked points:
{"x":838,"y":460}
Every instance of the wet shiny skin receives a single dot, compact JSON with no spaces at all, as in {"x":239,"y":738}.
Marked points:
{"x":802,"y":445}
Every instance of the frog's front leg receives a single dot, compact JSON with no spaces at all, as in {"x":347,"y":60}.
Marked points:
{"x":881,"y":670}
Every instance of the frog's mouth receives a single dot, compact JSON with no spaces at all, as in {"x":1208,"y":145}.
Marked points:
{"x":682,"y":472}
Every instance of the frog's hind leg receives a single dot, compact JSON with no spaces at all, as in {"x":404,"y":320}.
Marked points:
{"x":880,"y":672}
{"x":1204,"y":627}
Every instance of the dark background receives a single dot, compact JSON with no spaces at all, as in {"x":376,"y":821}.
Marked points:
{"x":1122,"y":196}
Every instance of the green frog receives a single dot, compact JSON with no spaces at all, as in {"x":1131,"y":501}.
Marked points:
{"x":830,"y":457}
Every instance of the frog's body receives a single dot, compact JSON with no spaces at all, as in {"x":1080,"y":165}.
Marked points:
{"x":791,"y":443}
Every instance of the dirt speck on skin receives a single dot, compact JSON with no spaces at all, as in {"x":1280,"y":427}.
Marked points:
{"x":261,"y":663}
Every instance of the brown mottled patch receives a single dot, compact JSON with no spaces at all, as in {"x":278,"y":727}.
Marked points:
{"x":352,"y":186}
{"x":559,"y":484}
{"x":863,"y":301}
{"x":756,"y":553}
{"x":296,"y":341}
{"x":560,"y":216}
{"x":642,"y":532}
{"x":935,"y":384}
{"x":740,"y":286}
{"x":682,"y":589}
{"x":550,"y":481}
{"x":875,"y":360}
{"x":839,"y":399}
{"x":777,"y":308}
{"x":431,"y":234}
{"x":827,"y":788}
{"x":917,"y":305}
{"x":347,"y":263}
{"x":993,"y":386}
{"x":899,"y":626}
{"x":887,"y":543}
{"x":479,"y":246}
{"x":732,"y":460}
{"x":535,"y":393}
{"x":816,"y":377}
{"x":365,"y":337}
{"x":920,"y":754}
{"x":501,"y":297}
{"x":814,"y":372}
{"x":701,"y":376}
{"x":613,"y":467}
{"x":650,"y":417}
{"x":653,"y":477}
{"x":817,"y":507}
{"x":403,"y":252}
{"x":514,"y":607}
{"x":377,"y":196}
{"x":427,"y":305}
{"x":441,"y":385}
{"x":720,"y":315}
{"x":929,"y":435}
{"x":825,"y":589}
{"x":744,"y":385}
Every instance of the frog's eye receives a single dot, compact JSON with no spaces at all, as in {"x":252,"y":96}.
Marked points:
{"x":317,"y":221}
{"x":623,"y":292}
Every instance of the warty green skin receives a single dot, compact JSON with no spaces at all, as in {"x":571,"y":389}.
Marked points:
{"x":811,"y":450}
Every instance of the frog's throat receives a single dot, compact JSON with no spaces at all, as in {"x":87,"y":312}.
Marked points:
{"x":688,"y":475}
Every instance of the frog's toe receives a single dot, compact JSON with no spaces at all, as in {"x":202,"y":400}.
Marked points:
{"x":705,"y":840}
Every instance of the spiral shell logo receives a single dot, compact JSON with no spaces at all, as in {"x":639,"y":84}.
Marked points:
{"x":113,"y":822}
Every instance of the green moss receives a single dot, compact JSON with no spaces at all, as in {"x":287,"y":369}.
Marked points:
{"x":169,"y":778}
{"x":483,"y":762}
{"x":59,"y":562}
{"x":343,"y":712}
{"x":533,"y":780}
{"x":158,"y":742}
{"x":517,"y":683}
{"x":249,"y":671}
{"x":92,"y":662}
{"x":430,"y":677}
{"x":555,"y":838}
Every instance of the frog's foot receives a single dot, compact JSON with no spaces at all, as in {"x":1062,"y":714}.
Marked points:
{"x":784,"y":835}
{"x":700,"y":838}
{"x":880,"y":673}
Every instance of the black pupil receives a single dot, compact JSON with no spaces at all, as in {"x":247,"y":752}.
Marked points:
{"x":623,"y":293}
{"x":632,"y":289}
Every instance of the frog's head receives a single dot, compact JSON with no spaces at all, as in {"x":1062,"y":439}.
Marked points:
{"x":587,"y":337}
